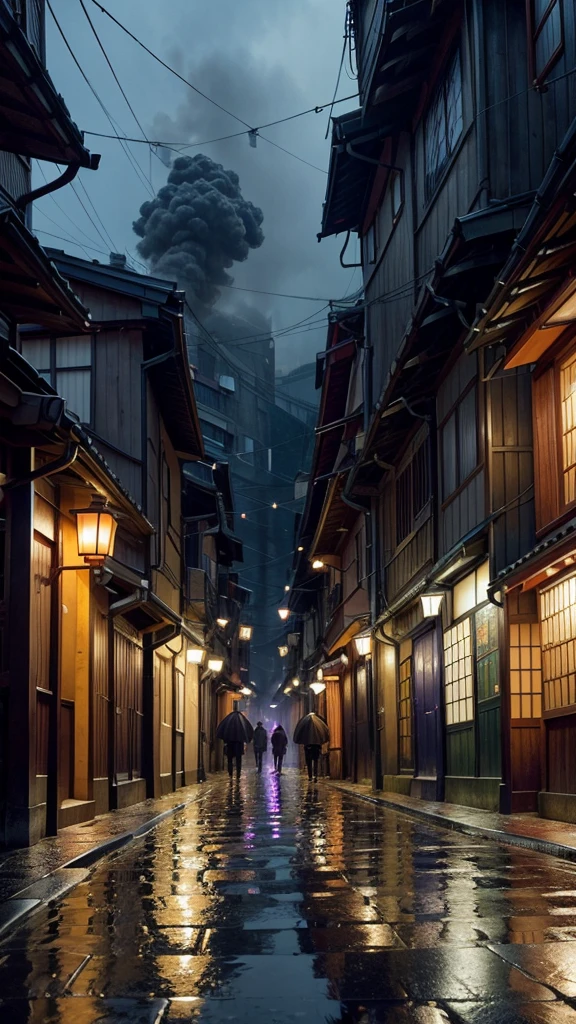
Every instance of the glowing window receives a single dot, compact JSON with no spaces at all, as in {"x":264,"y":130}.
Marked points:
{"x":525,"y":670}
{"x":558,"y":622}
{"x":458,"y":675}
{"x":405,"y":749}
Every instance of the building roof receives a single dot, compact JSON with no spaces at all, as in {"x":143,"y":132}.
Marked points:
{"x":163,"y":324}
{"x":539,"y":264}
{"x":34,"y":120}
{"x":32,"y":291}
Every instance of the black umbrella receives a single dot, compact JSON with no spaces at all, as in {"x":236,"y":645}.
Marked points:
{"x":235,"y":728}
{"x":311,"y":729}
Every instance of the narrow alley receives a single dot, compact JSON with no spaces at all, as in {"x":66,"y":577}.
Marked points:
{"x":279,"y":901}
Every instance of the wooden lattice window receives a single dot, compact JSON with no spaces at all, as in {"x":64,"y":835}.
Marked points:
{"x":558,"y":621}
{"x":444,"y":124}
{"x":405,"y":745}
{"x":546,"y":29}
{"x":458,"y":674}
{"x":568,"y":410}
{"x":525,"y":670}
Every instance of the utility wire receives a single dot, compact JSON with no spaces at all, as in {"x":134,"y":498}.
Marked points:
{"x":62,"y":210}
{"x":62,"y":239}
{"x":97,"y":215}
{"x":135,"y":166}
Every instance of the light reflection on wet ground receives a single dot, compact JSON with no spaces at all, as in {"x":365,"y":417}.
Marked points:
{"x":279,"y":902}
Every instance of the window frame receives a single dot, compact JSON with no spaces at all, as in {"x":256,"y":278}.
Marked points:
{"x":535,"y":30}
{"x":414,"y":514}
{"x":433,"y":175}
{"x":454,"y":411}
{"x":51,"y":372}
{"x":565,"y":357}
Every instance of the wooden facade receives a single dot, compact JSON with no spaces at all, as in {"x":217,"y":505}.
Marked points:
{"x":461,"y":478}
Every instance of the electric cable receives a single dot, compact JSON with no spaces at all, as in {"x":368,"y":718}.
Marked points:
{"x":72,"y":241}
{"x":133,"y":162}
{"x":62,"y":210}
{"x":69,"y":240}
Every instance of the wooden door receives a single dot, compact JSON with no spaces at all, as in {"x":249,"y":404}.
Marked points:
{"x":66,"y":752}
{"x":427,"y":717}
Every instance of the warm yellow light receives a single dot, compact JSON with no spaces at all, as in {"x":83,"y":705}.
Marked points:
{"x":195,"y":655}
{"x":318,"y":687}
{"x":551,"y":571}
{"x":363,"y":644}
{"x":283,"y":651}
{"x":300,"y":548}
{"x":287,"y":689}
{"x":96,"y":530}
{"x":242,"y":515}
{"x":246,"y":691}
{"x":295,"y":681}
{"x":431,"y":605}
{"x":245,"y":633}
{"x":222,"y":623}
{"x":215,"y":664}
{"x":320,"y":675}
{"x":283,"y":613}
{"x":317,"y":563}
{"x":274,"y":504}
{"x":287,"y":588}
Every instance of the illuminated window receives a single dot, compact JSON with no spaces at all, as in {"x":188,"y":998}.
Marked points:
{"x":487,"y":658}
{"x":558,"y":621}
{"x":458,"y":676}
{"x":405,"y":750}
{"x":471,"y":591}
{"x":525,"y":670}
{"x":568,"y":408}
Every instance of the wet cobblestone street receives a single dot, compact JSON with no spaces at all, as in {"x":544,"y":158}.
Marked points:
{"x":277,"y":901}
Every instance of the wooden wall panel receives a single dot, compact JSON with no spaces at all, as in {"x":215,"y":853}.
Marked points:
{"x":464,"y":512}
{"x":547,"y":481}
{"x":561,"y":754}
{"x":460,"y":751}
{"x":511,"y":467}
{"x":100,"y":682}
{"x":14,"y":174}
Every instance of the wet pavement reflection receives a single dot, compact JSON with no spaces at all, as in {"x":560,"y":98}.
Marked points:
{"x":279,"y":901}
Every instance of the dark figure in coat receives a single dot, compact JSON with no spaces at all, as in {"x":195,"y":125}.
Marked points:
{"x":234,"y":751}
{"x":312,"y":755}
{"x":279,"y":742}
{"x":260,"y":741}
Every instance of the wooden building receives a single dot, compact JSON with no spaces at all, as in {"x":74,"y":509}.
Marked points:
{"x":463,"y":104}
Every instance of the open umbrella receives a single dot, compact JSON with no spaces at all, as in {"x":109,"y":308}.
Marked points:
{"x":311,"y":729}
{"x":235,"y":728}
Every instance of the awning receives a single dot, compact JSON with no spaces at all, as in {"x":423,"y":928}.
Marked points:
{"x":34,"y":120}
{"x":31,"y":289}
{"x":349,"y":633}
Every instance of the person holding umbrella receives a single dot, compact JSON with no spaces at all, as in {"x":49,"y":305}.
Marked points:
{"x":312,"y":731}
{"x":279,"y":744}
{"x":235,"y":730}
{"x":260,"y":742}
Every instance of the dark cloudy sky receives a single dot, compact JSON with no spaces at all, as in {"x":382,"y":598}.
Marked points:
{"x":261,"y":59}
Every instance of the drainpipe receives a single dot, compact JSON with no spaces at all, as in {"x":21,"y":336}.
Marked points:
{"x":56,"y":466}
{"x":67,"y":176}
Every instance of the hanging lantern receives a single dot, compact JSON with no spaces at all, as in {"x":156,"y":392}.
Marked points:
{"x":318,"y":687}
{"x":283,"y":650}
{"x":195,"y":655}
{"x":431,"y":605}
{"x":96,"y":530}
{"x":363,"y":644}
{"x":283,"y":613}
{"x":222,"y":623}
{"x":215,"y":664}
{"x":245,"y":633}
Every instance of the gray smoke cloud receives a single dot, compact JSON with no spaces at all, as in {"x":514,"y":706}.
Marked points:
{"x":198,"y":226}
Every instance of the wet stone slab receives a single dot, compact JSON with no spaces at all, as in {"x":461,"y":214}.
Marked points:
{"x":273,"y":902}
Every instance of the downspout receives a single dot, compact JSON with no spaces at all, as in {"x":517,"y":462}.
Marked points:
{"x":56,"y":466}
{"x":67,"y":176}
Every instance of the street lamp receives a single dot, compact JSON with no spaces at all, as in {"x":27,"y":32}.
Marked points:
{"x":318,"y":687}
{"x":273,"y":705}
{"x":222,"y":623}
{"x":317,"y":563}
{"x":245,"y":633}
{"x":283,"y":650}
{"x":431,"y":604}
{"x":295,"y":681}
{"x":195,"y":655}
{"x":96,"y":530}
{"x":246,"y":691}
{"x":363,"y":644}
{"x":215,"y":664}
{"x":283,"y":613}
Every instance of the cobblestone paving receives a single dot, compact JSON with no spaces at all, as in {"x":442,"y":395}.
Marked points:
{"x":278,"y":901}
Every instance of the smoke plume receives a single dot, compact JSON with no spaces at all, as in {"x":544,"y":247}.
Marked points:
{"x":198,"y":226}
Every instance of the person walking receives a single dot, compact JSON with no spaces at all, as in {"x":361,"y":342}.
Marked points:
{"x":260,"y":743}
{"x":234,"y":752}
{"x":279,"y":742}
{"x":312,"y":755}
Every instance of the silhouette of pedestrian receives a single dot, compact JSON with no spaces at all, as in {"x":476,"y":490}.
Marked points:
{"x":234,"y":752}
{"x":279,"y":742}
{"x":260,"y":743}
{"x":312,"y":755}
